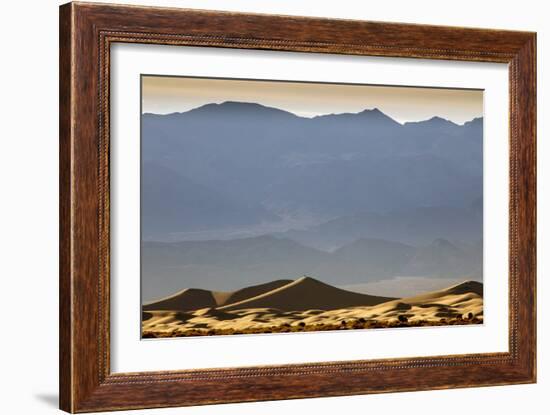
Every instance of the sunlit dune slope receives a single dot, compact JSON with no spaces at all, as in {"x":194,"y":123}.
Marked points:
{"x":306,"y":304}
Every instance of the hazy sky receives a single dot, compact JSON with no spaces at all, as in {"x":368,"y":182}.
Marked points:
{"x":164,"y":95}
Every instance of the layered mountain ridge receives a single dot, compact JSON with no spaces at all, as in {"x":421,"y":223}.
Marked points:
{"x":261,"y":164}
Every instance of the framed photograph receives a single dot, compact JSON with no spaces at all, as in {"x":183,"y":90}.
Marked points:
{"x":259,"y":207}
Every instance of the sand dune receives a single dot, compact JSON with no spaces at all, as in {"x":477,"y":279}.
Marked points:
{"x":184,"y":300}
{"x":250,"y":292}
{"x":194,"y":298}
{"x":306,"y":304}
{"x":304,"y":294}
{"x":466,"y":287}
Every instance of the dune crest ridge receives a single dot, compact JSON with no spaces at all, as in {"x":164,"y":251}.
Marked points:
{"x":307,"y":293}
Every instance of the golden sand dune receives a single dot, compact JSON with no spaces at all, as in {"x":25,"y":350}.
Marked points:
{"x":250,"y":292}
{"x":466,"y":287}
{"x":307,"y":304}
{"x":304,"y":294}
{"x":194,"y":298}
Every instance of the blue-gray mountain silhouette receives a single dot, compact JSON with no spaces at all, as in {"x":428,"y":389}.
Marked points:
{"x":416,"y":226}
{"x":171,"y":202}
{"x":248,"y":162}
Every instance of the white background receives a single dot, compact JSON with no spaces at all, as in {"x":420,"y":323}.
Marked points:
{"x":129,"y":354}
{"x":28,"y":212}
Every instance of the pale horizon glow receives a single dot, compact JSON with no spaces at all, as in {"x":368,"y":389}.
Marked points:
{"x":167,"y":94}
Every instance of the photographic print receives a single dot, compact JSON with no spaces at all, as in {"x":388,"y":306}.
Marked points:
{"x":281,"y":207}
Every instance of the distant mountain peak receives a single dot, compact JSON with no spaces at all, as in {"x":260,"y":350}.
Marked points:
{"x":434,"y":121}
{"x":375,"y":113}
{"x":239,"y":106}
{"x":436,"y":118}
{"x":242,"y":104}
{"x":474,"y":122}
{"x":443,"y":243}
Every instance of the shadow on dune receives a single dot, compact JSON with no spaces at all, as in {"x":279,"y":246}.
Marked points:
{"x":307,"y":304}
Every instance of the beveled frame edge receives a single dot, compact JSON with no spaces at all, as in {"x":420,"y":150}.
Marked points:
{"x":86,"y":33}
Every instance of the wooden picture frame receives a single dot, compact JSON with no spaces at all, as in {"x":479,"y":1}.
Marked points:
{"x":86,"y":33}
